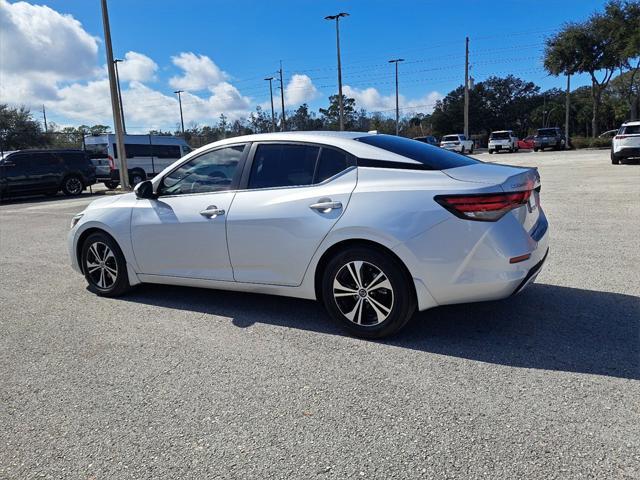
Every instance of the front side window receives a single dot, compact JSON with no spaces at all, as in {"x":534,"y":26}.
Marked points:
{"x":210,"y":172}
{"x":166,"y":151}
{"x":277,"y":165}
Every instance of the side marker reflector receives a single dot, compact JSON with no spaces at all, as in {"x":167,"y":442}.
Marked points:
{"x":520,"y":258}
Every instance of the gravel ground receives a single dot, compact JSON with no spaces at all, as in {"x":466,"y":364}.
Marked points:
{"x":182,"y":383}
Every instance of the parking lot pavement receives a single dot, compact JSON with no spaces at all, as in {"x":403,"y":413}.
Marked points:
{"x":171,"y":382}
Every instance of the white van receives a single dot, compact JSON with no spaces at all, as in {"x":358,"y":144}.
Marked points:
{"x":147,"y":155}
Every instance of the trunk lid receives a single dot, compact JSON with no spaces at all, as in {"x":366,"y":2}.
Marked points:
{"x":506,"y":178}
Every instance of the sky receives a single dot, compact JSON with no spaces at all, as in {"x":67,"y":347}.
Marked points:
{"x":219,"y":52}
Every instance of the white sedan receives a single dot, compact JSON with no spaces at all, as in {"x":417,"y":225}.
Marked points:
{"x":373,"y":226}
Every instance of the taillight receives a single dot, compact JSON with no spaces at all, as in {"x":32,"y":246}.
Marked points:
{"x":483,"y":207}
{"x":112,"y":165}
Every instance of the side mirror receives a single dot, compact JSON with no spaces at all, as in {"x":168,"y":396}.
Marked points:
{"x":144,"y":190}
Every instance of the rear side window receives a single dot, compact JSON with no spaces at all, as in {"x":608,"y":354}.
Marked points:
{"x":283,"y":165}
{"x":96,"y":150}
{"x":44,"y":160}
{"x":631,"y":130}
{"x":331,"y":163}
{"x":166,"y":151}
{"x":430,"y":157}
{"x":134,"y":150}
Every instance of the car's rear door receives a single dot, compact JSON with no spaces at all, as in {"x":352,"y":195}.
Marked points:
{"x":295,"y":193}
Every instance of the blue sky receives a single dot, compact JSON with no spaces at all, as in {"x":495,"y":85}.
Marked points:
{"x":243,"y":41}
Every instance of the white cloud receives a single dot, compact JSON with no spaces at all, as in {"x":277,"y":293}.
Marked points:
{"x":200,"y":73}
{"x":137,"y":67}
{"x":371,"y":99}
{"x":299,"y":90}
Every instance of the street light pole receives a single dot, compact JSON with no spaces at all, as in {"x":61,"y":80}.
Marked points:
{"x":340,"y":103}
{"x":283,"y":127}
{"x":115,"y":105}
{"x":273,"y":112}
{"x":396,"y":61}
{"x":178,"y":92}
{"x":115,"y":62}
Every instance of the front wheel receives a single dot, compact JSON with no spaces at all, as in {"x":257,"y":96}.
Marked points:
{"x":111,"y":185}
{"x":614,"y":159}
{"x":104,"y":266}
{"x":368,"y":292}
{"x":136,"y":177}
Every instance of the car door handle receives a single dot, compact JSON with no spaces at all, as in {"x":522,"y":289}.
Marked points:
{"x":326,"y":207}
{"x":212,"y":211}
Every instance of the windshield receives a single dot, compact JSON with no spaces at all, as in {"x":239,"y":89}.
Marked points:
{"x":434,"y":158}
{"x":96,"y":150}
{"x":547,"y":132}
{"x":450,"y":138}
{"x":499,"y":136}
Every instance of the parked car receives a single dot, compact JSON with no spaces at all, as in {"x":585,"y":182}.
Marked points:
{"x":373,"y":226}
{"x":548,"y":138}
{"x":526,"y":143}
{"x":608,"y":134}
{"x":146,"y":156}
{"x":626,"y":144}
{"x":503,"y":140}
{"x":457,"y":142}
{"x":27,"y":172}
{"x":430,"y":139}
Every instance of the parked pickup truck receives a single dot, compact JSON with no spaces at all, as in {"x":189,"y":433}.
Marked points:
{"x":457,"y":142}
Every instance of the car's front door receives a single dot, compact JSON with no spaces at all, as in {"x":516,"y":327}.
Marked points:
{"x":295,"y":194}
{"x":182,"y":233}
{"x":46,"y":171}
{"x":15,"y":173}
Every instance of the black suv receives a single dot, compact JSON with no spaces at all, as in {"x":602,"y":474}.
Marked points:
{"x":28,"y":172}
{"x":549,"y":138}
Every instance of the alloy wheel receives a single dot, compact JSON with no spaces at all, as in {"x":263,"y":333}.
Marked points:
{"x":74,"y":185}
{"x":101,"y":265}
{"x":363,"y":293}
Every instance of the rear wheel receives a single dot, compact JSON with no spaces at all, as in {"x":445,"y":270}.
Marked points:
{"x":535,"y":149}
{"x":136,"y":177}
{"x":111,"y":185}
{"x":462,"y":150}
{"x":72,"y":185}
{"x":104,"y":266}
{"x":490,"y":152}
{"x":614,"y":159}
{"x":368,"y":292}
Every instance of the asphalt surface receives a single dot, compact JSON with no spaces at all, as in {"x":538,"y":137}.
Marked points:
{"x":182,"y":383}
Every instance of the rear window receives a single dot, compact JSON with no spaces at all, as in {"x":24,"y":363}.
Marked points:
{"x":499,"y":136}
{"x":96,"y":150}
{"x":450,"y":138}
{"x":630,"y":130}
{"x":434,"y":158}
{"x":547,"y":132}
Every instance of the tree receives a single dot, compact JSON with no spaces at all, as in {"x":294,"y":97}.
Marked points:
{"x":624,"y":20}
{"x":588,"y":47}
{"x":260,"y":121}
{"x":331,"y":115}
{"x":19,"y":130}
{"x":304,"y":120}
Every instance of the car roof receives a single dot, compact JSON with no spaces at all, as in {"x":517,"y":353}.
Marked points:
{"x":343,"y":140}
{"x":45,"y":150}
{"x":502,"y":131}
{"x":631,"y":124}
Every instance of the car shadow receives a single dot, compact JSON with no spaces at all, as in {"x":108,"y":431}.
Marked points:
{"x":546,"y":327}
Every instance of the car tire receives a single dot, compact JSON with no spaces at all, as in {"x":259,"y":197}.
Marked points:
{"x":364,"y":308}
{"x":72,"y":186}
{"x":614,"y":159}
{"x":490,"y":152}
{"x":471,"y":151}
{"x":111,"y":185}
{"x":136,"y":177}
{"x":104,"y":266}
{"x":462,"y":151}
{"x":535,"y":149}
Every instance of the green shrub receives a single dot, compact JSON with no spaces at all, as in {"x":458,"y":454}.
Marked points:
{"x":587,"y":142}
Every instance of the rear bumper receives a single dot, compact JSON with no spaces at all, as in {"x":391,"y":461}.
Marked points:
{"x":627,"y":152}
{"x":473,"y":265}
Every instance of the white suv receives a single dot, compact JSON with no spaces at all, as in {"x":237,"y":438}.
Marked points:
{"x":457,"y":143}
{"x":503,"y":140}
{"x":626,"y":144}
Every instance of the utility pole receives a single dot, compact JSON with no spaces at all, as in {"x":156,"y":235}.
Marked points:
{"x":115,"y":62}
{"x":273,"y":112}
{"x":396,"y":61}
{"x":44,"y":114}
{"x":466,"y":89}
{"x":178,"y":92}
{"x":340,"y":103}
{"x":283,"y":127}
{"x":115,"y":105}
{"x":566,"y":113}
